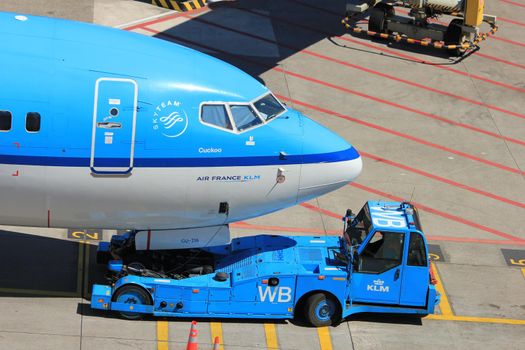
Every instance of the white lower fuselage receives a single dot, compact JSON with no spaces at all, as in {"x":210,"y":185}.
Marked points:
{"x":159,"y":198}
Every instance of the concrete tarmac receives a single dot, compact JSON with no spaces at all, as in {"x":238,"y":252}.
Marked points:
{"x":444,"y":133}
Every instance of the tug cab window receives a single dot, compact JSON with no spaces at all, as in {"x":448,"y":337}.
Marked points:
{"x":6,"y":120}
{"x":216,"y":115}
{"x":417,"y":255}
{"x":358,"y":229}
{"x":383,"y":252}
{"x":33,"y":122}
{"x":244,"y":117}
{"x":268,"y":107}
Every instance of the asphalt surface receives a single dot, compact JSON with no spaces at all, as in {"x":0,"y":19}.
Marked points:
{"x":446,"y":134}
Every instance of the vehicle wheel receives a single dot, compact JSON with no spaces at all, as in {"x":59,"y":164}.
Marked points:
{"x":321,"y":310}
{"x":130,"y":294}
{"x":378,"y":16}
{"x":455,"y":36}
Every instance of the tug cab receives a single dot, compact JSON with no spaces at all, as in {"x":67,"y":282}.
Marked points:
{"x":390,"y":263}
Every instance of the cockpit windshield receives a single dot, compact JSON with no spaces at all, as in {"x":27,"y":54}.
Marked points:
{"x":359,"y":228}
{"x":268,"y":107}
{"x":244,"y":116}
{"x":240,"y":116}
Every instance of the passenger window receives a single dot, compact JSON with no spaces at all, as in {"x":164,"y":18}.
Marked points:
{"x":244,"y":117}
{"x":33,"y":121}
{"x":383,"y":252}
{"x":6,"y":120}
{"x":417,"y":255}
{"x":216,"y":115}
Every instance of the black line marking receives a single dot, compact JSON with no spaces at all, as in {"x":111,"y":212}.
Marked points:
{"x":514,"y":257}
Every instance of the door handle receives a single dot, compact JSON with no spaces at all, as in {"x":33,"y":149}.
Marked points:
{"x":396,"y":276}
{"x":109,"y":125}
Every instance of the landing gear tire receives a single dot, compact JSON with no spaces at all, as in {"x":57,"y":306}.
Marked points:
{"x":378,"y":16}
{"x":130,"y":294}
{"x":321,"y":310}
{"x":455,"y":36}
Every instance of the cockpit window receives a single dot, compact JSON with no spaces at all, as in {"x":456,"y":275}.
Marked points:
{"x":268,"y":107}
{"x":244,"y":116}
{"x":216,"y":115}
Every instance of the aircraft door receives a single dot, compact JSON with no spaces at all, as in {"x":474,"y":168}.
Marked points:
{"x":114,"y":118}
{"x":378,"y":274}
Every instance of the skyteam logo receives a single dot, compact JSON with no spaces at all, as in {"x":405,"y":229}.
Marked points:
{"x":170,"y":119}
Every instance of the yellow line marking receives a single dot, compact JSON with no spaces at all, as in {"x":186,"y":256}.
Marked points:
{"x":216,"y":331}
{"x":162,"y":335}
{"x":476,"y":319}
{"x":523,"y":272}
{"x":187,"y":5}
{"x":444,"y":305}
{"x":324,"y":338}
{"x":271,"y":336}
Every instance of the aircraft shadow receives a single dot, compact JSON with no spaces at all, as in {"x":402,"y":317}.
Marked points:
{"x":257,"y":35}
{"x":37,"y":266}
{"x":231,"y":31}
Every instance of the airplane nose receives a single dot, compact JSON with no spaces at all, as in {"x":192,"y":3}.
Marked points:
{"x":329,"y":161}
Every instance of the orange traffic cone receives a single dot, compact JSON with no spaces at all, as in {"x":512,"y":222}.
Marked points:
{"x":216,"y":344}
{"x":192,"y":340}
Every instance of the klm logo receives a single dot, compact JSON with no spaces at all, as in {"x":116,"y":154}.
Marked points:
{"x":378,"y":286}
{"x":283,"y":294}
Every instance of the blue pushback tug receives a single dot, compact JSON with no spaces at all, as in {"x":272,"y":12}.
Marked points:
{"x":380,"y":264}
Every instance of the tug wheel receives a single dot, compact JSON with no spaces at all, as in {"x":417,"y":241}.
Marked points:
{"x":378,"y":16}
{"x":321,"y":310}
{"x":455,"y":36}
{"x":130,"y":294}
